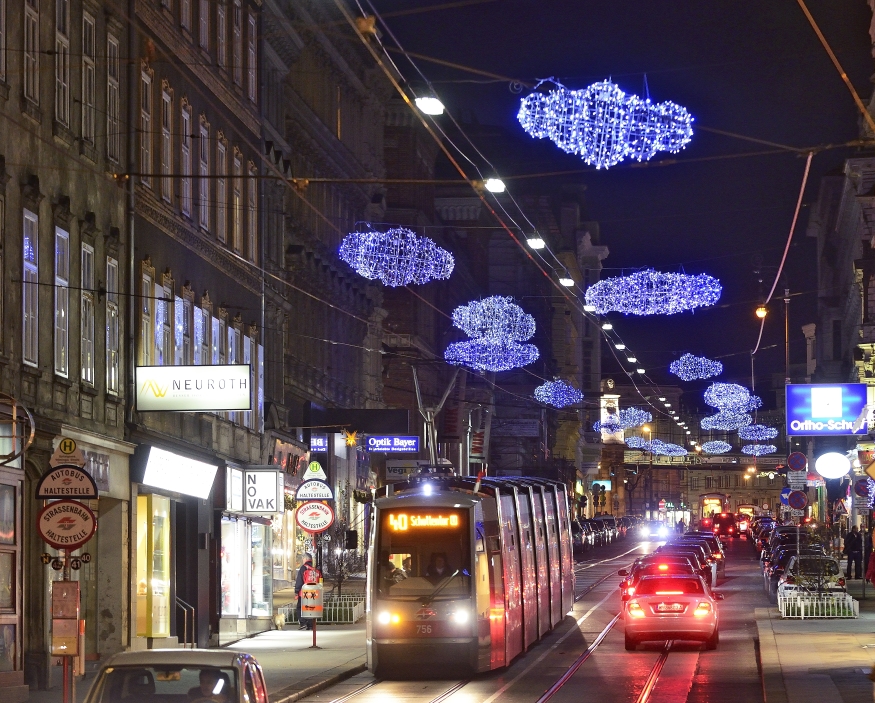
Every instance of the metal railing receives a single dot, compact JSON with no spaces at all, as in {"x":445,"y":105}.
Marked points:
{"x":802,"y":605}
{"x":335,"y":609}
{"x":187,"y":609}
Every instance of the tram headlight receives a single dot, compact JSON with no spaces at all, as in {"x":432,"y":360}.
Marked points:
{"x":384,"y":618}
{"x":460,"y":617}
{"x":426,"y":489}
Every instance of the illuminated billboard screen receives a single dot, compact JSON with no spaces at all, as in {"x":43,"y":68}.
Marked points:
{"x":827,"y":409}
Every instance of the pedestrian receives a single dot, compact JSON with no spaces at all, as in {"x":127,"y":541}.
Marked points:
{"x":680,"y":527}
{"x":307,"y":574}
{"x":854,"y":550}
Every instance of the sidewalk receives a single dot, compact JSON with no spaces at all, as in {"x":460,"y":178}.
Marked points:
{"x":292,"y":669}
{"x":811,"y":661}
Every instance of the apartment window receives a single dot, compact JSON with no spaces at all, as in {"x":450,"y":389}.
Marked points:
{"x":178,"y":328}
{"x":186,"y":160}
{"x":147,"y":312}
{"x":237,"y":48}
{"x":31,"y":50}
{"x":62,"y":301}
{"x":204,"y":24}
{"x":221,"y":191}
{"x":252,"y":66}
{"x":164,"y":319}
{"x":202,"y":328}
{"x":146,"y":128}
{"x":186,"y":331}
{"x":233,"y":358}
{"x":3,"y":33}
{"x":221,"y":35}
{"x":87,"y":314}
{"x":185,"y":14}
{"x":237,"y":207}
{"x":62,"y":62}
{"x":88,"y":78}
{"x":113,"y":129}
{"x":252,"y":215}
{"x":30,"y":290}
{"x":221,"y":341}
{"x":204,"y":172}
{"x":216,"y":347}
{"x":166,"y":145}
{"x":113,"y":339}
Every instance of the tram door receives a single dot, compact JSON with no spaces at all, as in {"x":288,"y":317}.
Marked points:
{"x":565,"y":548}
{"x":529,"y":568}
{"x":543,"y":582}
{"x":513,"y":631}
{"x":555,"y":566}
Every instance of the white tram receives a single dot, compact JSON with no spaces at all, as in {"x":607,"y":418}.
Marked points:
{"x":465,"y":581}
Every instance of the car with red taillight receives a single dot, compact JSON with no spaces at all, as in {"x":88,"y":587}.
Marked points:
{"x":651,"y":567}
{"x":725,"y":525}
{"x":678,"y":607}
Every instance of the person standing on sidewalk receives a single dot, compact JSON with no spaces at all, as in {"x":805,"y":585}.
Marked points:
{"x":307,"y":574}
{"x":854,"y":550}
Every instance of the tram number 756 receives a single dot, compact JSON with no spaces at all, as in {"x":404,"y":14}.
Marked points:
{"x":423,"y":629}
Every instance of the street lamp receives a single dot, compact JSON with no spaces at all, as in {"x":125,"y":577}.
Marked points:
{"x":762,"y":311}
{"x":648,"y":484}
{"x":430,"y":105}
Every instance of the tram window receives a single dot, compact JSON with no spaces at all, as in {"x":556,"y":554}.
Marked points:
{"x":435,"y":544}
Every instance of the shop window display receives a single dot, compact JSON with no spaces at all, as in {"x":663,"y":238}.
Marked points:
{"x":262,"y":580}
{"x":153,"y":566}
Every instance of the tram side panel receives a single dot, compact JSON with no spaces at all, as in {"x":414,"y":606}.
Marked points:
{"x":543,"y":581}
{"x":489,"y":575}
{"x":529,"y":568}
{"x":565,"y":549}
{"x":555,"y":563}
{"x":513,"y":601}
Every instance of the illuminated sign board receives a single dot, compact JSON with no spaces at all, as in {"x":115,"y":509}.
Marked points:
{"x":319,"y":443}
{"x":393,"y":444}
{"x":194,"y":388}
{"x":173,"y":472}
{"x":827,"y":409}
{"x":404,"y":521}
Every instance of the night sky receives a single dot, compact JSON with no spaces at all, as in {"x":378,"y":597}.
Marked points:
{"x":756,"y":69}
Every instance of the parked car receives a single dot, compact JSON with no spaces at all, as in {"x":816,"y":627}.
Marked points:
{"x":610,"y":523}
{"x":703,"y":567}
{"x":679,"y":607}
{"x":179,"y":675}
{"x":713,"y":545}
{"x":811,"y":574}
{"x":777,"y":566}
{"x":581,"y":539}
{"x":600,"y":532}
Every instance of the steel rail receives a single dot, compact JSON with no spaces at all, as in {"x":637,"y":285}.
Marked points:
{"x":653,"y":677}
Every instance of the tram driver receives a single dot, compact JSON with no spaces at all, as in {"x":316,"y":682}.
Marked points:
{"x":438,"y":568}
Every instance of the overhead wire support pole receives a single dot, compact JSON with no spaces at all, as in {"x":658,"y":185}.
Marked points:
{"x":429,"y":413}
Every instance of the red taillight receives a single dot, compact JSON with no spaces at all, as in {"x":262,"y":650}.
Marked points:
{"x":663,"y":567}
{"x":729,"y":528}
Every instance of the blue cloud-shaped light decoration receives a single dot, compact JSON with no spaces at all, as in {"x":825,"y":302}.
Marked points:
{"x":758,"y":433}
{"x":637,"y":443}
{"x":651,"y":292}
{"x":603,"y":125}
{"x":716,"y":447}
{"x":759,"y":449}
{"x":691,"y":368}
{"x":726,"y":420}
{"x":397,"y":257}
{"x":483,"y":355}
{"x":496,"y":318}
{"x":625,"y":419}
{"x":558,"y":394}
{"x":656,"y":446}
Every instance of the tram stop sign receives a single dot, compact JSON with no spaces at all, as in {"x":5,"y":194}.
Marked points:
{"x":797,"y":500}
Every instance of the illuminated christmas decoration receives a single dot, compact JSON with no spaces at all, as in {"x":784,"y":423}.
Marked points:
{"x":691,"y":368}
{"x":484,"y":355}
{"x":637,"y":442}
{"x":651,"y":292}
{"x":726,"y":420}
{"x":757,"y":433}
{"x":603,"y":125}
{"x":656,"y":446}
{"x":623,"y":420}
{"x":716,"y":447}
{"x":727,"y":396}
{"x":496,"y":319}
{"x":397,"y":257}
{"x":759,"y":449}
{"x":558,"y":394}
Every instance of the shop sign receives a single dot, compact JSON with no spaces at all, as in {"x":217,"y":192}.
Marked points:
{"x":66,"y":482}
{"x":234,"y":490}
{"x":826,"y":409}
{"x":393,"y":443}
{"x":314,"y":517}
{"x":174,"y":472}
{"x":262,"y":491}
{"x":194,"y":388}
{"x":319,"y":443}
{"x":66,"y":524}
{"x":314,"y":490}
{"x":67,"y":452}
{"x":315,"y":470}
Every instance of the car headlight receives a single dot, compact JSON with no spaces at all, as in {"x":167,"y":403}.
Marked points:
{"x":384,"y":618}
{"x":662,"y":532}
{"x":460,"y":617}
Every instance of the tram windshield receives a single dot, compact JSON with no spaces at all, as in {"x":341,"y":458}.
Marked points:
{"x":423,"y":553}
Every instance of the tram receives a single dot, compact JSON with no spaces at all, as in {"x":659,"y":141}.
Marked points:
{"x":465,"y":577}
{"x":711,"y":504}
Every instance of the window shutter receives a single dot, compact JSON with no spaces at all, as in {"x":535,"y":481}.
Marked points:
{"x":179,"y":323}
{"x":198,"y":336}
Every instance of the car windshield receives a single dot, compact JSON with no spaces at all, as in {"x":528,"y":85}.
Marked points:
{"x":424,"y":553}
{"x":825,"y":567}
{"x":669,"y":586}
{"x":135,"y":684}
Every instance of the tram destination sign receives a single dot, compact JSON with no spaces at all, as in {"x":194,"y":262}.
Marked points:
{"x":66,"y":481}
{"x":829,"y":409}
{"x":66,"y":524}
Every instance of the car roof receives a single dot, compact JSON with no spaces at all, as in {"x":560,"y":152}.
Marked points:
{"x":179,"y":657}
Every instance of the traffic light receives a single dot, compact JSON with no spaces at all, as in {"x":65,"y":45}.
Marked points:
{"x":583,"y":501}
{"x":602,"y":497}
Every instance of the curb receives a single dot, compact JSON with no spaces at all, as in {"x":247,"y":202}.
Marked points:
{"x":321,"y":685}
{"x":771,"y":675}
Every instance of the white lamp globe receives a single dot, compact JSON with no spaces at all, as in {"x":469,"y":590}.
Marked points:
{"x":832,"y":465}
